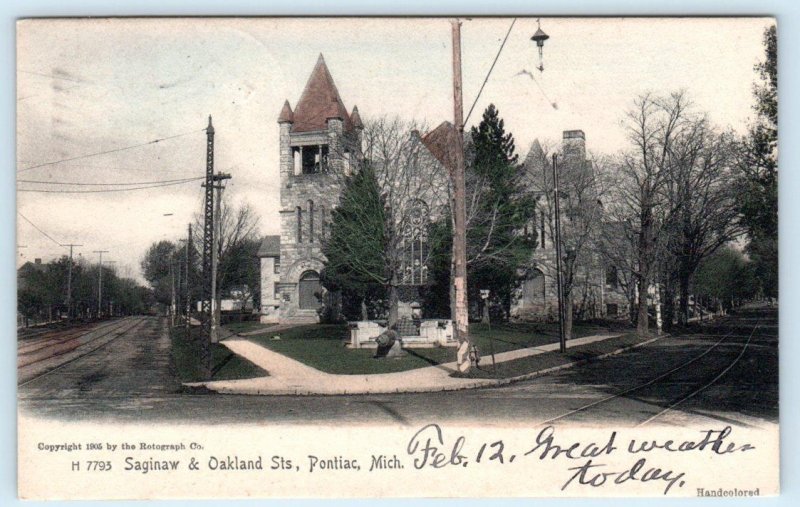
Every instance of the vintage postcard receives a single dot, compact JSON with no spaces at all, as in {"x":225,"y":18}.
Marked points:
{"x":397,"y":257}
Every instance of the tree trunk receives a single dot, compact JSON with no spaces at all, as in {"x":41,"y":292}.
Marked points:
{"x":669,"y":305}
{"x":642,"y":317}
{"x":568,"y":315}
{"x":632,"y":312}
{"x":684,"y":298}
{"x":394,"y":299}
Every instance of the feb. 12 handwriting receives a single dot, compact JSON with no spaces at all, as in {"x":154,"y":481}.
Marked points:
{"x":429,"y":447}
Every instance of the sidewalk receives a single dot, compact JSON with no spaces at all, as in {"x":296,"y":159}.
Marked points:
{"x":290,"y":377}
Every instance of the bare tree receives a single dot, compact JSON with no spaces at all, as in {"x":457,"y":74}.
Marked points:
{"x":583,"y":185}
{"x":237,"y":246}
{"x":655,"y":127}
{"x":701,"y":197}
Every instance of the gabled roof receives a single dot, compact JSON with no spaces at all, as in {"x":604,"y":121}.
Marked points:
{"x":270,"y":247}
{"x":440,"y":142}
{"x":535,"y":155}
{"x":320,"y":100}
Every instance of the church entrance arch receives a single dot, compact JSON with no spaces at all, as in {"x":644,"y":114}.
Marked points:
{"x":310,"y":290}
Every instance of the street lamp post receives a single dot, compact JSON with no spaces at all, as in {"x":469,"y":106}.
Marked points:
{"x":562,"y":339}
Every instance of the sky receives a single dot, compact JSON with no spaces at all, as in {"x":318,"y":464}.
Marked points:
{"x":89,"y":86}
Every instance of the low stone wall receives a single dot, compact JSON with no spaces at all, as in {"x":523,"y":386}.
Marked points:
{"x":432,"y":333}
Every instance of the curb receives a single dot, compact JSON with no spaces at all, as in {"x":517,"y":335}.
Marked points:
{"x":475,"y":384}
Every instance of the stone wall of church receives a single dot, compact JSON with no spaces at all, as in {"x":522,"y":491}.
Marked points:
{"x":306,"y":204}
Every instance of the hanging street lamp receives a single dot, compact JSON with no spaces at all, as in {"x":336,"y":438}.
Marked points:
{"x":539,"y":37}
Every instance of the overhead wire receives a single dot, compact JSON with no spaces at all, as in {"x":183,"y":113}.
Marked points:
{"x":40,"y":230}
{"x":115,"y":150}
{"x":497,"y":56}
{"x":76,"y":183}
{"x":43,"y":191}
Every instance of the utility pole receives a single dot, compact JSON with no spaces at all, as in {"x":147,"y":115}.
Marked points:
{"x":111,"y":301}
{"x":100,"y":283}
{"x":172,"y":291}
{"x":215,"y":310}
{"x":188,"y":293}
{"x":562,"y":339}
{"x":208,"y":252}
{"x":459,"y":275}
{"x":69,"y":280}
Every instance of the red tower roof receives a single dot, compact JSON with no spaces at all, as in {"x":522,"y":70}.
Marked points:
{"x":319,"y":102}
{"x":286,"y":116}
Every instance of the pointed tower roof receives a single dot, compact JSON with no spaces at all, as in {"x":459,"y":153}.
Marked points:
{"x":535,"y":155}
{"x":355,"y":118}
{"x":320,"y":100}
{"x":286,"y":116}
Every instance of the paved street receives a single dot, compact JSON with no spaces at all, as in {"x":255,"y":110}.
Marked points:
{"x":729,"y":373}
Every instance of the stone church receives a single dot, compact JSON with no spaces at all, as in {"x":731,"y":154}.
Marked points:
{"x":320,"y":141}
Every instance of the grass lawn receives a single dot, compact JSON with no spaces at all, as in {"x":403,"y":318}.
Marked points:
{"x":244,"y":327}
{"x":322,"y":346}
{"x":225,"y":365}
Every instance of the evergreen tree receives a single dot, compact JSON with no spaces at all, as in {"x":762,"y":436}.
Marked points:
{"x":355,"y":249}
{"x":496,"y":247}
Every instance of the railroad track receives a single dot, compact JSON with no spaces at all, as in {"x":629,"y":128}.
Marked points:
{"x":32,"y":367}
{"x":55,"y":337}
{"x":696,"y":389}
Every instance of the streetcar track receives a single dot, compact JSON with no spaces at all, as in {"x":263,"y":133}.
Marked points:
{"x":134,"y":324}
{"x":43,"y":343}
{"x":656,"y":379}
{"x":55,"y":345}
{"x":705,"y":386}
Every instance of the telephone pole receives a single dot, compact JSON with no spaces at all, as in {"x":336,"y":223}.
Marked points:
{"x":562,"y":339}
{"x":100,"y":283}
{"x":188,"y":293}
{"x":459,"y":275}
{"x":215,"y":310}
{"x":111,"y":301}
{"x":172,"y":291}
{"x":69,"y":280}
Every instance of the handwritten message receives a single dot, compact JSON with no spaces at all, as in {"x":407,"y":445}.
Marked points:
{"x":556,"y":460}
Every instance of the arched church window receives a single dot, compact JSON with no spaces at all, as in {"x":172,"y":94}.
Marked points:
{"x":414,"y":229}
{"x":310,"y":221}
{"x":299,"y":217}
{"x":323,"y":224}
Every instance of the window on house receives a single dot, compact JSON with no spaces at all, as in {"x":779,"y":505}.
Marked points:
{"x":277,"y":265}
{"x":612,"y":277}
{"x":541,"y":229}
{"x":612,"y":309}
{"x":276,"y":294}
